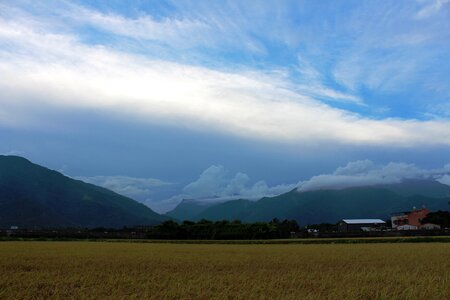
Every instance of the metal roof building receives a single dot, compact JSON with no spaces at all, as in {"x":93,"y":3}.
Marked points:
{"x":364,"y":221}
{"x":347,"y":225}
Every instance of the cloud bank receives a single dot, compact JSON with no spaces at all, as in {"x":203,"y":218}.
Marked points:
{"x":57,"y":70}
{"x":213,"y":185}
{"x":148,"y":191}
{"x":125,"y":185}
{"x":366,"y":173}
{"x":216,"y":184}
{"x":445,"y":179}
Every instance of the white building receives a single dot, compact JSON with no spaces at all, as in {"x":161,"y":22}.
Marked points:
{"x":406,"y":227}
{"x":430,"y":226}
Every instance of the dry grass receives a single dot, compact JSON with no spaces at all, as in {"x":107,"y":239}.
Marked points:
{"x":83,"y":270}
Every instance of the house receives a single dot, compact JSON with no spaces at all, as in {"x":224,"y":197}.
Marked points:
{"x":406,"y":227}
{"x":355,"y":225}
{"x":411,"y":218}
{"x":430,"y":226}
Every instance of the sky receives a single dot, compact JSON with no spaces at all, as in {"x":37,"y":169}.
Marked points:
{"x":169,"y":100}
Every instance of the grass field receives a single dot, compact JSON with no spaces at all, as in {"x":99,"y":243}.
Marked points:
{"x":42,"y":270}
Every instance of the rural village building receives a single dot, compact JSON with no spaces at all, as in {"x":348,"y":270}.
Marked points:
{"x":352,"y":225}
{"x":430,"y":226}
{"x":406,"y":227}
{"x":411,"y":220}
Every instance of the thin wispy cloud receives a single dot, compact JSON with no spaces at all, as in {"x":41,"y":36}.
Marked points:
{"x":145,"y":190}
{"x":389,"y":49}
{"x":430,"y":8}
{"x":126,"y":185}
{"x":180,"y":33}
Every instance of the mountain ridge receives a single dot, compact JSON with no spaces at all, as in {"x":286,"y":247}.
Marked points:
{"x":60,"y":201}
{"x":329,"y":206}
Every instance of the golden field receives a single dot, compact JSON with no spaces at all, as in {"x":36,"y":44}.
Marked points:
{"x":117,"y":270}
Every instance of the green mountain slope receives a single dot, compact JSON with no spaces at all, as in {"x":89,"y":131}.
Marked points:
{"x":428,"y":188}
{"x":230,"y":210}
{"x":34,"y":196}
{"x":331,"y":205}
{"x":188,"y":210}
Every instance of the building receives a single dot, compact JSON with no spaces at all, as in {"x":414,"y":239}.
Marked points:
{"x":430,"y":226}
{"x":355,"y":225}
{"x":406,"y":227}
{"x":411,"y":218}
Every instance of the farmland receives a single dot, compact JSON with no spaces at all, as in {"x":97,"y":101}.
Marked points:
{"x":42,"y":270}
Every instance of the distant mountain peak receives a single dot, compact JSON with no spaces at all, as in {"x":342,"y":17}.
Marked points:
{"x":34,"y":196}
{"x":327,"y":205}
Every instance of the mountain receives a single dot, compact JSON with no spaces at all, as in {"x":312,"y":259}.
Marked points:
{"x":234,"y":210}
{"x":34,"y":196}
{"x":428,"y":188}
{"x":330,"y":206}
{"x":188,"y":209}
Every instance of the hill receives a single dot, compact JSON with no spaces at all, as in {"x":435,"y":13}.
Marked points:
{"x":188,"y":209}
{"x":330,"y":206}
{"x":34,"y":196}
{"x":428,"y":188}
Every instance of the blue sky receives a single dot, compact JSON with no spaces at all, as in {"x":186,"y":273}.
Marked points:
{"x":165,"y":100}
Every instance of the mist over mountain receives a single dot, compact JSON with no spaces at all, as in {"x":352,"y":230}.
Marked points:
{"x":326,"y":205}
{"x":163,"y":102}
{"x":189,"y":209}
{"x":215,"y":185}
{"x":34,"y":196}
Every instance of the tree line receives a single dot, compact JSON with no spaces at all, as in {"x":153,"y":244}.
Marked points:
{"x":439,"y":217}
{"x":223,"y":230}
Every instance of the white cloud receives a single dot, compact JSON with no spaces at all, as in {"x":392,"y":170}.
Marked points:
{"x":366,"y":173}
{"x":13,"y":152}
{"x":58,"y":71}
{"x":440,"y":110}
{"x":261,"y":189}
{"x":215,"y":185}
{"x":377,"y":72}
{"x":445,"y":179}
{"x":182,"y":33}
{"x":328,"y":94}
{"x":192,"y":26}
{"x":355,"y":168}
{"x":132,"y":187}
{"x":431,"y":8}
{"x":386,"y":51}
{"x":165,"y":205}
{"x":311,"y":84}
{"x":237,"y":184}
{"x":208,"y":184}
